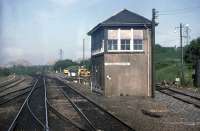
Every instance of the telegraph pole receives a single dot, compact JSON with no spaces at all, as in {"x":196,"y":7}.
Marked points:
{"x":83,"y":51}
{"x":181,"y":46}
{"x":61,"y":57}
{"x":187,"y":35}
{"x":187,"y":31}
{"x":61,"y":54}
{"x":152,"y":51}
{"x":181,"y":42}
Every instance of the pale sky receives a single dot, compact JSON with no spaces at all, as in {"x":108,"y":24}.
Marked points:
{"x":35,"y":30}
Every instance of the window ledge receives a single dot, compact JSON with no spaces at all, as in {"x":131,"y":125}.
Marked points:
{"x":125,"y":51}
{"x":96,"y":52}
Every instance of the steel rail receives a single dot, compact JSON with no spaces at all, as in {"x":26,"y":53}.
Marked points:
{"x":79,"y":110}
{"x":11,"y":85}
{"x":11,"y":127}
{"x":15,"y":91}
{"x":34,"y":116}
{"x":91,"y":101}
{"x":8,"y":80}
{"x":63,"y":117}
{"x":178,"y":92}
{"x":10,"y":99}
{"x":46,"y":109}
{"x":178,"y":98}
{"x":94,"y":103}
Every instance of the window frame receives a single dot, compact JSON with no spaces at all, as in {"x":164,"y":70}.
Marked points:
{"x":125,"y":44}
{"x":112,"y":47}
{"x":138,"y":44}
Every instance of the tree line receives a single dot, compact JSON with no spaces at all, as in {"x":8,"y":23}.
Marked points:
{"x":62,"y":64}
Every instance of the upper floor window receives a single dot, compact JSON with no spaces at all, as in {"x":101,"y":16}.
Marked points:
{"x":138,"y":44}
{"x":112,"y":44}
{"x":112,"y":34}
{"x":125,"y":44}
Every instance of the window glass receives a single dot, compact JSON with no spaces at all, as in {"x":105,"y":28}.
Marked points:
{"x":112,"y":45}
{"x":138,"y":44}
{"x":112,"y":34}
{"x":125,"y":44}
{"x":138,"y":34}
{"x":125,"y":34}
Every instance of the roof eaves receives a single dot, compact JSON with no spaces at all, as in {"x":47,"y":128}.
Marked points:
{"x":126,"y":24}
{"x":118,"y":24}
{"x":94,"y":29}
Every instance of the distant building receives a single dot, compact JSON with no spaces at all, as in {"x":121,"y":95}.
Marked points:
{"x":121,"y":55}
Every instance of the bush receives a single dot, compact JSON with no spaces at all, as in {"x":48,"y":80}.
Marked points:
{"x":62,"y":64}
{"x":4,"y":71}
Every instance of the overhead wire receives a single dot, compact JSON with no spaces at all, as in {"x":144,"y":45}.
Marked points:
{"x":179,"y":11}
{"x":183,"y":9}
{"x":172,"y":40}
{"x":176,"y":12}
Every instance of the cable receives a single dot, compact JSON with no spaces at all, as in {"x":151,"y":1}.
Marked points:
{"x":176,"y":13}
{"x":178,"y":10}
{"x":160,"y":33}
{"x":168,"y":41}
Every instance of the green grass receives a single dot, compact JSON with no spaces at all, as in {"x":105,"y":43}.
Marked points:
{"x":167,"y":65}
{"x":168,"y":73}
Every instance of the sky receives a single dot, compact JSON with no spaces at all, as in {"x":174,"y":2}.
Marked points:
{"x":35,"y":30}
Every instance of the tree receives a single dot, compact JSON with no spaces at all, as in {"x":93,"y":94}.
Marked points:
{"x":192,"y":52}
{"x":86,"y":64}
{"x":4,"y":71}
{"x":62,"y":64}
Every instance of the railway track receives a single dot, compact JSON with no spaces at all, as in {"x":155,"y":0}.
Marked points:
{"x":33,"y":112}
{"x":9,"y":79}
{"x":184,"y":97}
{"x":63,"y":118}
{"x":36,"y":113}
{"x":12,"y":91}
{"x":13,"y":95}
{"x":11,"y":84}
{"x":95,"y":117}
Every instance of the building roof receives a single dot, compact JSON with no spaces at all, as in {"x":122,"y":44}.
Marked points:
{"x":123,"y":18}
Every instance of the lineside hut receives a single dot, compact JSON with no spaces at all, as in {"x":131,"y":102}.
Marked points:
{"x":121,"y":55}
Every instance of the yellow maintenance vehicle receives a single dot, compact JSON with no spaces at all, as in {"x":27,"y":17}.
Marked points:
{"x":83,"y":72}
{"x":66,"y":72}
